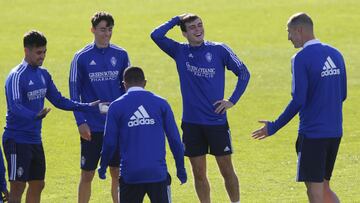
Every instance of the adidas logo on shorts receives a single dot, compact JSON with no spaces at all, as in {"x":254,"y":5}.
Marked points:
{"x":140,"y":117}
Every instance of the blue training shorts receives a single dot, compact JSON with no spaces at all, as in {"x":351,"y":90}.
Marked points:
{"x":158,"y":192}
{"x":316,"y":158}
{"x":26,"y":162}
{"x":206,"y":139}
{"x":91,"y":151}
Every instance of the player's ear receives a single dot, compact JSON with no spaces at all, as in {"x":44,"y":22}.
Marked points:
{"x":145,"y":83}
{"x":299,"y":29}
{"x":125,"y":85}
{"x":92,"y":29}
{"x":26,"y":50}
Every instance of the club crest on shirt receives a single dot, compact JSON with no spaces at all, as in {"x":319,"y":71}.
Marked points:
{"x":113,"y":61}
{"x":208,"y":57}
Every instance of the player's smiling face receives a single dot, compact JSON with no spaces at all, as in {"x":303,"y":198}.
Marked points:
{"x":35,"y":56}
{"x":194,"y":32}
{"x":102,"y":33}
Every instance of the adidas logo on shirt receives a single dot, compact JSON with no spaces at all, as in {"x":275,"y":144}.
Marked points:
{"x":31,"y":82}
{"x":92,"y":63}
{"x":140,"y":117}
{"x":329,"y":68}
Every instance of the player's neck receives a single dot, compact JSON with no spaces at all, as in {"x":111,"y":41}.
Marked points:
{"x":307,"y":38}
{"x":196,"y":44}
{"x":32,"y":64}
{"x":101,"y":45}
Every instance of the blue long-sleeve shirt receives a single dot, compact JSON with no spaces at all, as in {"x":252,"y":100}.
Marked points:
{"x":96,"y":74}
{"x":202,"y":74}
{"x":26,"y":88}
{"x":137,"y":123}
{"x":318,"y":92}
{"x":2,"y":173}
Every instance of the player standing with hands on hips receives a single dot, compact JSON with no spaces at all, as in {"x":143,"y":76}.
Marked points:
{"x":137,"y":124}
{"x":201,"y":68}
{"x":318,"y":93}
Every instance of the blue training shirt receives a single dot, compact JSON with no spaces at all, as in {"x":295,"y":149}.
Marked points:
{"x":26,"y":88}
{"x":318,"y":92}
{"x":96,"y":74}
{"x":202,"y":75}
{"x":138,"y":122}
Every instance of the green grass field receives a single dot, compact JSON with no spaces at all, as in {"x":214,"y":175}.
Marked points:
{"x":255,"y":30}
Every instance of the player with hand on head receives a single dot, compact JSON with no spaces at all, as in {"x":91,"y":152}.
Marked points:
{"x":318,"y":92}
{"x":201,"y":67}
{"x":27,"y":86}
{"x":137,"y":124}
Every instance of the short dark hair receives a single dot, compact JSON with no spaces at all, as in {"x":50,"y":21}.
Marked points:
{"x":187,"y":19}
{"x":34,"y":38}
{"x":134,"y":75}
{"x":300,"y":19}
{"x":100,"y":16}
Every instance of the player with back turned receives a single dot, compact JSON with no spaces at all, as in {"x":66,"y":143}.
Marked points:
{"x":138,"y":124}
{"x":318,"y":92}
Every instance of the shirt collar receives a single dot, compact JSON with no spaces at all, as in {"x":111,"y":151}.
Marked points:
{"x":136,"y":88}
{"x":24,"y":62}
{"x":311,"y":42}
{"x":101,"y":49}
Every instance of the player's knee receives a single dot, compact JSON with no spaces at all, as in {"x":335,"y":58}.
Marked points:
{"x":199,"y":174}
{"x":328,"y":193}
{"x":17,"y":188}
{"x":41,"y":185}
{"x":36,"y":186}
{"x":228,"y":174}
{"x":315,"y":194}
{"x":114,"y":171}
{"x":326,"y":185}
{"x":87,"y":176}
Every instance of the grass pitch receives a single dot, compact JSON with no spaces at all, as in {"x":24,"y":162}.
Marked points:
{"x":255,"y":30}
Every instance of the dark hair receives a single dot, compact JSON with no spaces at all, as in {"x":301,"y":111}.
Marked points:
{"x":34,"y":38}
{"x":100,"y":16}
{"x":187,"y":19}
{"x":134,"y":75}
{"x":300,"y":19}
